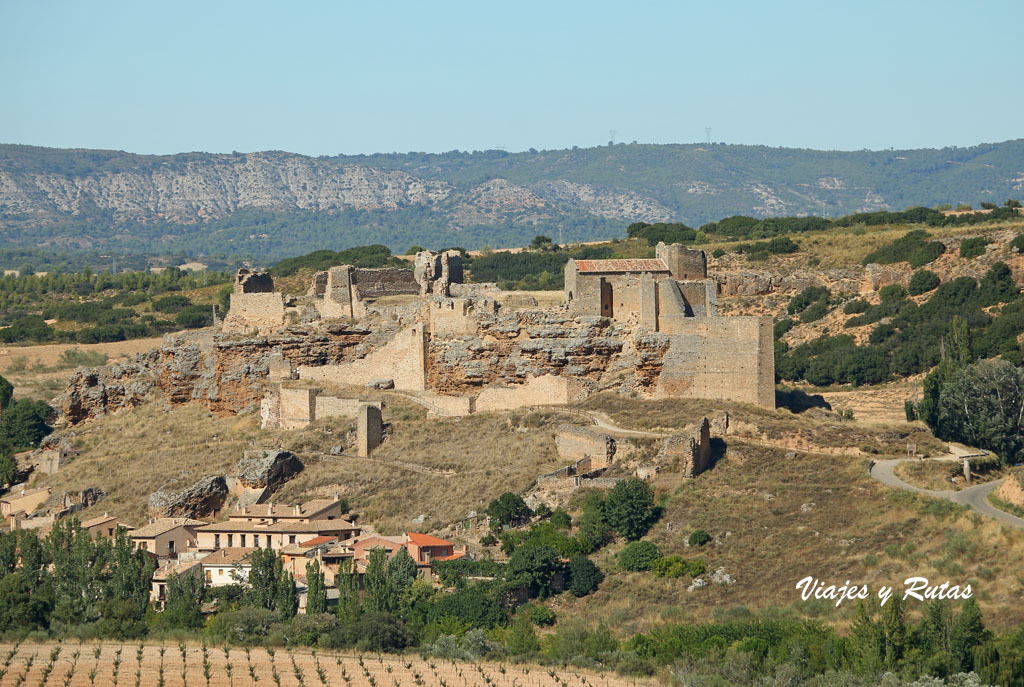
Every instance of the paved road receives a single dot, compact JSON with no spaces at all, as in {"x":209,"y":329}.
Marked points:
{"x":975,"y":498}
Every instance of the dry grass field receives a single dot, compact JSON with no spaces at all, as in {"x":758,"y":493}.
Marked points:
{"x":438,"y":468}
{"x":85,"y":665}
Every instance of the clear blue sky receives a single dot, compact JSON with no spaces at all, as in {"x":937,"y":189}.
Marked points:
{"x":360,"y":77}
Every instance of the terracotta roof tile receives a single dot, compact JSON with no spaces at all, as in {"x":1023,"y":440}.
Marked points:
{"x":426,"y":540}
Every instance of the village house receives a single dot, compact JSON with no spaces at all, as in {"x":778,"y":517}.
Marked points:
{"x":316,"y":509}
{"x":166,"y":537}
{"x":227,"y":566}
{"x":158,"y":589}
{"x":422,"y":548}
{"x":267,"y":534}
{"x":104,"y":526}
{"x":22,"y":500}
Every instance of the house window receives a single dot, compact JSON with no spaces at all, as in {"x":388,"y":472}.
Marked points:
{"x":110,"y":531}
{"x":220,"y":571}
{"x":230,"y":543}
{"x":216,"y":541}
{"x":291,"y":538}
{"x":243,"y":539}
{"x":209,"y":575}
{"x":170,"y":548}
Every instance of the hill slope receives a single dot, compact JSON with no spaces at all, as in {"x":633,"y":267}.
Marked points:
{"x":268,"y":204}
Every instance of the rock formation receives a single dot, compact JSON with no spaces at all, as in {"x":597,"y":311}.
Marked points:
{"x":203,"y":498}
{"x":267,"y":469}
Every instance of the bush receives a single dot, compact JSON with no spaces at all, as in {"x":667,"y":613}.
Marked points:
{"x":195,"y":317}
{"x":815,"y":312}
{"x":561,"y":519}
{"x":973,"y":247}
{"x":892,"y":293}
{"x":171,"y":304}
{"x":922,"y":281}
{"x":677,"y":566}
{"x":856,"y":306}
{"x":1017,"y":244}
{"x":584,"y":576}
{"x":783,"y":326}
{"x":699,"y":538}
{"x":912,"y":247}
{"x":801,"y":301}
{"x":538,"y":614}
{"x":717,"y":253}
{"x":630,"y":508}
{"x":246,"y":626}
{"x":638,"y":555}
{"x":382,"y":632}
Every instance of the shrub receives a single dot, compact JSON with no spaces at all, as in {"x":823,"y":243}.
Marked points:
{"x":630,"y":508}
{"x":195,"y":316}
{"x":542,"y":511}
{"x":639,"y":555}
{"x":815,"y":312}
{"x":922,"y":281}
{"x":677,"y":566}
{"x":246,"y":626}
{"x":973,"y":247}
{"x":699,"y":538}
{"x":508,"y":509}
{"x":783,"y":326}
{"x":584,"y":576}
{"x":1017,"y":243}
{"x":856,"y":306}
{"x":912,"y":247}
{"x":801,"y":301}
{"x":488,"y":540}
{"x":717,"y":253}
{"x":561,"y":519}
{"x":382,"y":632}
{"x":892,"y":293}
{"x":171,"y":304}
{"x":539,"y":614}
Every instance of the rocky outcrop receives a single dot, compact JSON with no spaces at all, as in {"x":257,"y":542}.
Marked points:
{"x":759,"y":283}
{"x":267,"y":469}
{"x":203,"y":498}
{"x":98,"y":391}
{"x":223,"y":373}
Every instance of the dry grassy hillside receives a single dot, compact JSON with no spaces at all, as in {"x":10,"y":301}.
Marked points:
{"x":776,"y":516}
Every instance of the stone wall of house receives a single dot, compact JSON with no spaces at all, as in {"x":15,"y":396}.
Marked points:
{"x":388,"y":281}
{"x":683,"y":262}
{"x":264,"y":312}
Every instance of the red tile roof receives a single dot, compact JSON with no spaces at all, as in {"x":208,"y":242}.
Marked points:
{"x":426,"y":540}
{"x":316,"y":541}
{"x":454,"y":556}
{"x":630,"y":265}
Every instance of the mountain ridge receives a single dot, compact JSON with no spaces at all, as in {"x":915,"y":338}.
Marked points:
{"x":99,"y":199}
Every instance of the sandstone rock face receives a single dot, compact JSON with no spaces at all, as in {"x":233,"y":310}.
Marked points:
{"x":203,"y":498}
{"x":267,"y":469}
{"x":877,"y":276}
{"x":759,"y":283}
{"x":98,"y":391}
{"x":226,"y":375}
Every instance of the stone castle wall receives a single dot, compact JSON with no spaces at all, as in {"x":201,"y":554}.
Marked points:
{"x":579,"y":443}
{"x":729,"y":358}
{"x":402,"y":360}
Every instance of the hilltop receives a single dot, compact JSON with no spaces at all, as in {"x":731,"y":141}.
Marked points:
{"x":269,"y":205}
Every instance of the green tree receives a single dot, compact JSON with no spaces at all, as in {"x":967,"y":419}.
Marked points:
{"x":561,"y":519}
{"x":522,"y":638}
{"x":286,"y":599}
{"x":594,"y":530}
{"x":535,"y":567}
{"x":25,"y":605}
{"x":23,"y":424}
{"x":508,"y":509}
{"x":630,"y":508}
{"x":265,"y":573}
{"x":379,"y":598}
{"x":6,"y":392}
{"x":316,"y":590}
{"x":983,"y":405}
{"x":584,"y":576}
{"x":638,"y":555}
{"x":401,"y":574}
{"x":128,"y":578}
{"x":968,"y":633}
{"x":8,"y":468}
{"x":79,"y":563}
{"x":347,"y":581}
{"x":183,"y":604}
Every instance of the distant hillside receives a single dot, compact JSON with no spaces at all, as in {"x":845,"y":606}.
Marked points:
{"x":273,"y":204}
